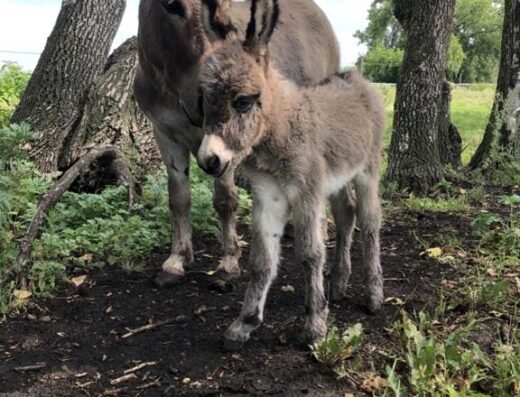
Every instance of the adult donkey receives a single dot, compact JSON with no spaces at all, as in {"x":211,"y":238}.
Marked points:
{"x":171,"y":43}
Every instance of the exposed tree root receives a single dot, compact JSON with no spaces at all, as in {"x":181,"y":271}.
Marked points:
{"x":57,"y":191}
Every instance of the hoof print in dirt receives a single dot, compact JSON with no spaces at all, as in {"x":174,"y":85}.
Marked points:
{"x":166,"y":280}
{"x":232,"y":346}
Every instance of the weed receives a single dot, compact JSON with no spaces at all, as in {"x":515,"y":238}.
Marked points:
{"x":500,"y":234}
{"x":436,"y":365}
{"x":336,"y":347}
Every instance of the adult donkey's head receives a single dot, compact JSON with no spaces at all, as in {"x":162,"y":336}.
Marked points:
{"x":171,"y":38}
{"x":234,"y":81}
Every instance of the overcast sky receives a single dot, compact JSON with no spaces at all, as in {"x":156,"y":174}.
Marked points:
{"x":26,"y":24}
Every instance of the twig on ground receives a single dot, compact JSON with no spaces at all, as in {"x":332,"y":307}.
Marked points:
{"x":150,"y":326}
{"x":114,"y":392}
{"x":148,"y":385}
{"x":122,"y":379}
{"x":140,"y":366}
{"x":34,"y":367}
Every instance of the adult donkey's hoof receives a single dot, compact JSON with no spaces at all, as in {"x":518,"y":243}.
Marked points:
{"x":166,"y":280}
{"x":232,"y":346}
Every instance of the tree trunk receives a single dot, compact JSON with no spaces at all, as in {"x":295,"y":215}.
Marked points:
{"x":502,"y":131}
{"x":414,"y":161}
{"x":450,"y":141}
{"x":74,"y":56}
{"x":111,"y":117}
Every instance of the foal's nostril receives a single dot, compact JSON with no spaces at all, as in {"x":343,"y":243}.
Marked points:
{"x":213,"y":165}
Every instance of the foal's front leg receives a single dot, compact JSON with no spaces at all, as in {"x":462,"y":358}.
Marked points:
{"x":269,"y":218}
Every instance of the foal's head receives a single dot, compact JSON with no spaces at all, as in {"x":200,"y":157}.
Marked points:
{"x":233,"y":80}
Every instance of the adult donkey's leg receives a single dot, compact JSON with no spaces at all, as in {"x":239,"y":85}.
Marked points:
{"x":343,"y":210}
{"x":310,"y":252}
{"x":269,"y":217}
{"x":226,"y":205}
{"x":177,"y":160}
{"x":368,"y":209}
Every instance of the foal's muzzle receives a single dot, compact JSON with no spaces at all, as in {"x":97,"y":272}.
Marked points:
{"x":213,"y":166}
{"x":214,"y":156}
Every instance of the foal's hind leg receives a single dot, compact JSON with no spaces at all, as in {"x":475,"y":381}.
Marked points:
{"x":343,"y":210}
{"x":310,"y":252}
{"x":226,"y":205}
{"x":368,"y":209}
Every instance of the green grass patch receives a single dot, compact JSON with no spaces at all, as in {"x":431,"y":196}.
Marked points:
{"x":451,"y":204}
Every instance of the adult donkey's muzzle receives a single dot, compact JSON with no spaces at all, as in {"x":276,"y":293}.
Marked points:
{"x":214,"y":157}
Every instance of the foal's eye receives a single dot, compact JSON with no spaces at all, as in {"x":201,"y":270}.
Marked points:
{"x":243,"y":104}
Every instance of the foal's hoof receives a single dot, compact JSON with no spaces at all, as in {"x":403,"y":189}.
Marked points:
{"x":167,"y":280}
{"x":232,"y":346}
{"x":336,"y":295}
{"x":223,"y":282}
{"x":374,"y":304}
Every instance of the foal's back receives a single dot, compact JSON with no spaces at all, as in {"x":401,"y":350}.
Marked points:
{"x":351,"y":119}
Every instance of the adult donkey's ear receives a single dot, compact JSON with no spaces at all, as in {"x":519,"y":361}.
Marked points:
{"x":264,"y":17}
{"x":216,"y":20}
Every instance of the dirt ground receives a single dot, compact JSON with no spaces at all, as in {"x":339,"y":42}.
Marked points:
{"x":73,"y":344}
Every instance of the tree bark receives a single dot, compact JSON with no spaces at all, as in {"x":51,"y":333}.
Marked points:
{"x":414,"y":161}
{"x":450,"y":141}
{"x":111,"y":117}
{"x":502,"y":131}
{"x":74,"y":56}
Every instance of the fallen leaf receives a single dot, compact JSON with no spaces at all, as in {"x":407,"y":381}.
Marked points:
{"x":87,"y":258}
{"x":395,"y":301}
{"x":372,"y":382}
{"x":445,"y":260}
{"x":22,"y":294}
{"x":449,"y":284}
{"x":288,"y":289}
{"x":433,"y":252}
{"x":78,"y":281}
{"x":491,"y":272}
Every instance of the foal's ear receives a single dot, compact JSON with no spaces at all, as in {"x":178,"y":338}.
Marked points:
{"x":216,"y":20}
{"x":264,"y":18}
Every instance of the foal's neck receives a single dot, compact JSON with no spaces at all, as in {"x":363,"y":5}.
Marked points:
{"x":286,"y":101}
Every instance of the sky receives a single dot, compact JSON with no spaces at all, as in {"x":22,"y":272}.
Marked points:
{"x":26,"y":24}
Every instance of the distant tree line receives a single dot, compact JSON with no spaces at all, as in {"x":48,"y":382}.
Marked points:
{"x":473,"y":53}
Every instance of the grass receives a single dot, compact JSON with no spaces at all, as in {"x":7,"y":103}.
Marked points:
{"x":470,"y":107}
{"x":468,"y":344}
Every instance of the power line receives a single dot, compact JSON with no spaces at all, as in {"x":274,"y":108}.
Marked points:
{"x":19,"y":52}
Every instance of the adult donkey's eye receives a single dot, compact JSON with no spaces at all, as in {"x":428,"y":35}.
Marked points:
{"x":174,"y":7}
{"x":243,"y":104}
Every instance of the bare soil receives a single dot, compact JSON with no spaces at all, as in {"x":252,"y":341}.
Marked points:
{"x":72,"y":344}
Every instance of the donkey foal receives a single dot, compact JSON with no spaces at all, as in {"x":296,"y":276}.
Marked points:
{"x":299,"y":146}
